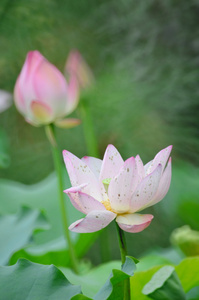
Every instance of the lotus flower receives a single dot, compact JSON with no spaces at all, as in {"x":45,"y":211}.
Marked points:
{"x":42,"y":94}
{"x":112,"y":188}
{"x":5,"y":100}
{"x":77,"y":67}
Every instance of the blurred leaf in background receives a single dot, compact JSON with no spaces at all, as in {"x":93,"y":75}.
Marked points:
{"x":48,"y":246}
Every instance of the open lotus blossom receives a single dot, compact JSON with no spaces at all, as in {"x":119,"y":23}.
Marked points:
{"x":42,"y":94}
{"x":112,"y":188}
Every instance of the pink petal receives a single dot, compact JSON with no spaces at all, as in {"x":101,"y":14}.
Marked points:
{"x":121,"y":187}
{"x":73,"y":95}
{"x":146,"y":190}
{"x":134,"y":222}
{"x":147,"y":167}
{"x":24,"y":92}
{"x":94,"y":164}
{"x":94,"y":221}
{"x":76,"y":66}
{"x":160,"y":158}
{"x":140,"y":166}
{"x":18,"y":98}
{"x":79,"y":173}
{"x":41,"y":112}
{"x":67,"y":123}
{"x":74,"y":196}
{"x":50,"y":87}
{"x":111,"y":165}
{"x":83,"y":202}
{"x":163,"y":185}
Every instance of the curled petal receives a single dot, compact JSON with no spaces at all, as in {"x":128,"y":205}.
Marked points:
{"x":74,"y":196}
{"x":80,"y":173}
{"x":83,"y":202}
{"x":120,"y":187}
{"x":94,"y":164}
{"x":146,"y":190}
{"x":160,"y":158}
{"x":134,"y":222}
{"x":94,"y":221}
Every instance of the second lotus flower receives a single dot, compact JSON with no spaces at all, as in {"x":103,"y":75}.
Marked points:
{"x":112,"y":188}
{"x":42,"y":94}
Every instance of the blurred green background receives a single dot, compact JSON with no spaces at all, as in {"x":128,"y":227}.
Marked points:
{"x":145,"y":58}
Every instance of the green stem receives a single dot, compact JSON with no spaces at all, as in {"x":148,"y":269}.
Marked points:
{"x":50,"y":132}
{"x":123,"y":252}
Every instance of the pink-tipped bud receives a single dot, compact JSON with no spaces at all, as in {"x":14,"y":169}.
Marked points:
{"x":77,"y":67}
{"x":41,"y":92}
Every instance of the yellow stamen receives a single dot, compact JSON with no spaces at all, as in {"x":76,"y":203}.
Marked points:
{"x":107,"y":205}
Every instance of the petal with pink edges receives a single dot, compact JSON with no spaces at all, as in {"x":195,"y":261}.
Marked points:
{"x":120,"y":187}
{"x":83,"y":202}
{"x":74,"y":196}
{"x":111,"y":165}
{"x":94,"y":164}
{"x":80,"y":173}
{"x":24,"y":91}
{"x":41,"y":112}
{"x":50,"y":87}
{"x":134,"y":222}
{"x":94,"y":221}
{"x":146,"y":190}
{"x":160,"y":158}
{"x":163,"y":185}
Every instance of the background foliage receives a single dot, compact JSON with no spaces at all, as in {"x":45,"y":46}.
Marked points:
{"x":144,"y":55}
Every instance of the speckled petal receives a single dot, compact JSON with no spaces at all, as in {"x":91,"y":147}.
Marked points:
{"x":74,"y":196}
{"x":120,"y":187}
{"x":80,"y":173}
{"x":160,"y":158}
{"x":111,"y":165}
{"x":163,"y":185}
{"x":134,"y":222}
{"x":94,"y":221}
{"x":83,"y":202}
{"x":146,"y":190}
{"x":140,"y":166}
{"x":94,"y":164}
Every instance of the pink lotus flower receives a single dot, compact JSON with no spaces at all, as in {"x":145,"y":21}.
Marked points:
{"x":112,"y":188}
{"x":42,"y":94}
{"x":77,"y":67}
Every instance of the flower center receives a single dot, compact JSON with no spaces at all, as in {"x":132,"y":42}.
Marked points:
{"x":107,"y":205}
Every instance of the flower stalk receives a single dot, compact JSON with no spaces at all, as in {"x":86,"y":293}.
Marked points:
{"x":50,"y":132}
{"x":123,"y":252}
